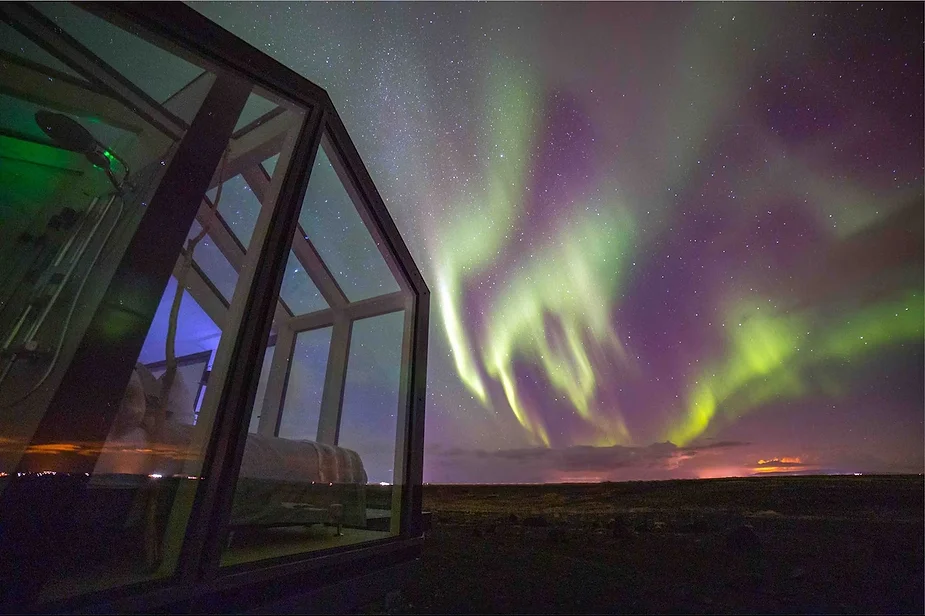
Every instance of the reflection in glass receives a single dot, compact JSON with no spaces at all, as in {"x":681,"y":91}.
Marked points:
{"x":261,"y":389}
{"x":371,"y":394}
{"x":156,"y":71}
{"x":302,"y":403}
{"x":77,"y":174}
{"x":331,"y":222}
{"x":239,"y":208}
{"x":213,"y":263}
{"x":299,"y":293}
{"x":323,"y":468}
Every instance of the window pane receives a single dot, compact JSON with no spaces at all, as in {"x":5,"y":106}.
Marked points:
{"x":333,"y":225}
{"x":261,"y":389}
{"x":371,"y":412}
{"x":269,"y":165}
{"x":333,"y":372}
{"x":239,"y":208}
{"x":66,"y":219}
{"x":13,"y":42}
{"x":213,"y":263}
{"x":155,"y":71}
{"x":369,"y":415}
{"x":302,"y":403}
{"x":299,"y":293}
{"x":255,"y":107}
{"x":18,"y":118}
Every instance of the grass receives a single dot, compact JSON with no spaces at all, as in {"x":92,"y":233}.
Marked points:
{"x":844,"y":545}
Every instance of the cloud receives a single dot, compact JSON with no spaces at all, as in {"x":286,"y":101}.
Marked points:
{"x":541,"y":464}
{"x":782,"y":462}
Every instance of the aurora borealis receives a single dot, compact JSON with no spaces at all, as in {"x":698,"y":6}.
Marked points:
{"x":663,"y":240}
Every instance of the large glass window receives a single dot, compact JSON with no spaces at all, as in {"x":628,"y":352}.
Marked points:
{"x":79,"y":165}
{"x":142,"y":196}
{"x":324,"y":466}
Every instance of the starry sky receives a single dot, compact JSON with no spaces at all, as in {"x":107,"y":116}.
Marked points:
{"x":663,"y":240}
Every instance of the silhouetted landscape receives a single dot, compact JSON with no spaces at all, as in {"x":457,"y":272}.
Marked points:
{"x":841,"y":544}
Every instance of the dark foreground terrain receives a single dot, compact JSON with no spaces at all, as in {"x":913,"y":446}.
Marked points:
{"x":844,"y":545}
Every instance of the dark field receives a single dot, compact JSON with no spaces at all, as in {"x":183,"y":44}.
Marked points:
{"x":846,"y":545}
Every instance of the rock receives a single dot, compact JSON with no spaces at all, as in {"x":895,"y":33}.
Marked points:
{"x":477,"y":531}
{"x":513,"y":519}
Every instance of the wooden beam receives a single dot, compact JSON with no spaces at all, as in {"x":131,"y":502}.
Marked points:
{"x":332,"y":397}
{"x":271,"y":406}
{"x":221,"y":235}
{"x":258,"y":144}
{"x":68,"y":50}
{"x":204,"y":294}
{"x":312,"y":320}
{"x":402,"y":415}
{"x":221,"y":365}
{"x":304,"y":250}
{"x":27,"y":83}
{"x":379,"y":305}
{"x":308,"y":256}
{"x":363,"y":309}
{"x":185,"y":102}
{"x":363,"y":207}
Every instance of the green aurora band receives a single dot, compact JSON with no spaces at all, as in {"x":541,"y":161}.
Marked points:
{"x":554,"y":309}
{"x":770,"y":356}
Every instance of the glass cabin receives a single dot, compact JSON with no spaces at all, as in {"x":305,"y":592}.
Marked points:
{"x":212,"y":336}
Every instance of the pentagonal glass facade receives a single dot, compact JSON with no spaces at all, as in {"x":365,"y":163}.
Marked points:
{"x":213,"y":338}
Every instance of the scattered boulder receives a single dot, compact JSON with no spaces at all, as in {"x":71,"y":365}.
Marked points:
{"x":513,"y":519}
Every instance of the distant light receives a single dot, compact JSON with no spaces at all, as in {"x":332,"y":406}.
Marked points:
{"x":384,"y":483}
{"x":858,"y":474}
{"x":155,"y":475}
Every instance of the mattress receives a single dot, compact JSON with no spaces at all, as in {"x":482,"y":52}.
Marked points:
{"x":265,"y":457}
{"x":288,"y":460}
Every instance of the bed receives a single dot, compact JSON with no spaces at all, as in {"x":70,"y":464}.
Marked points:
{"x":282,"y":482}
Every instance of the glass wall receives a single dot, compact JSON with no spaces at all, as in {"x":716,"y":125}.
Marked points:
{"x":322,"y":465}
{"x":90,"y":124}
{"x":147,"y":198}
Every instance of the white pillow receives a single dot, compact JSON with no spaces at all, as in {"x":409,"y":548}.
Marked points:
{"x":132,"y":411}
{"x":179,"y":400}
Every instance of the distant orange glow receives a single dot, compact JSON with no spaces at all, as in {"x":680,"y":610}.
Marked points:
{"x":781,"y":460}
{"x":718,"y":472}
{"x":782,"y":465}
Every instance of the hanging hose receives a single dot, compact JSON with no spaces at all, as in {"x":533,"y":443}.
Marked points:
{"x":41,"y":319}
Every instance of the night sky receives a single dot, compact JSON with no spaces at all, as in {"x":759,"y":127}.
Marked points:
{"x":663,"y":240}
